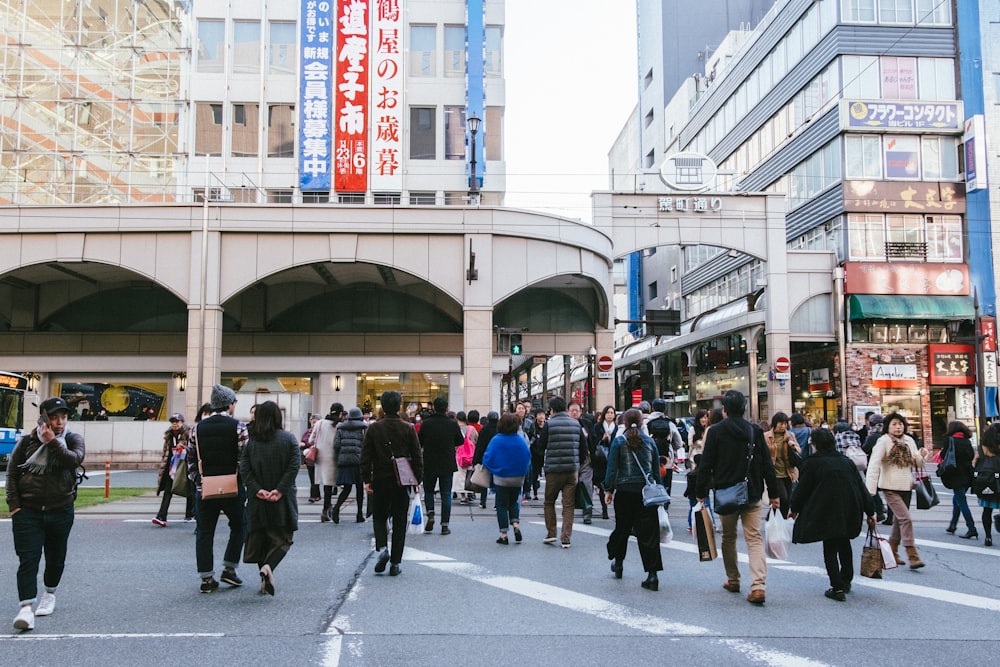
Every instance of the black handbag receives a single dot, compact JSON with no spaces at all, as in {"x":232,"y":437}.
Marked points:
{"x":926,"y":495}
{"x":731,"y":499}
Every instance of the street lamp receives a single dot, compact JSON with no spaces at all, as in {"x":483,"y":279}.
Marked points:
{"x":591,"y":360}
{"x":953,"y":331}
{"x":473,"y":124}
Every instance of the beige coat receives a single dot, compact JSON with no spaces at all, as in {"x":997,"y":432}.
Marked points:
{"x":326,"y":466}
{"x":884,"y":475}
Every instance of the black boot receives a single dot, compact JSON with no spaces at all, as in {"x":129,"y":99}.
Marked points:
{"x":617,"y":567}
{"x":652,"y":582}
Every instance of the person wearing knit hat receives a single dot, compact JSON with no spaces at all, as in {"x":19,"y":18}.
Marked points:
{"x":216,"y":443}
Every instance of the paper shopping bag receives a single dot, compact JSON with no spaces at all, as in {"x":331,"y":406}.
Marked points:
{"x":705,"y":532}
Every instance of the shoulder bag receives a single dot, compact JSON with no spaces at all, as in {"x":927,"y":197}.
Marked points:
{"x":653,"y":493}
{"x":216,"y":487}
{"x":401,"y":466}
{"x":731,"y":499}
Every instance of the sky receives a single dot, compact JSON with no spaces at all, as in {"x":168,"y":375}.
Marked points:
{"x":570,"y":68}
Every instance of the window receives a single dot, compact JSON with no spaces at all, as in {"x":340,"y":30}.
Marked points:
{"x":454,"y":133}
{"x":211,"y":45}
{"x":859,"y":11}
{"x":648,"y":119}
{"x":386,"y":198}
{"x":352,"y":198}
{"x":652,"y":290}
{"x":863,"y":157}
{"x":902,"y":157}
{"x":422,"y":136}
{"x":246,"y":132}
{"x":936,"y":78}
{"x":895,"y":11}
{"x":422,"y":198}
{"x":944,"y":238}
{"x":454,"y":50}
{"x":319,"y":197}
{"x":494,"y":51}
{"x":280,"y":130}
{"x":648,"y":79}
{"x":281,"y":50}
{"x":239,"y":114}
{"x":933,"y":12}
{"x":208,"y":129}
{"x":899,"y":78}
{"x":456,"y":198}
{"x":866,"y":236}
{"x":939,"y":157}
{"x":647,"y":161}
{"x":423,"y":48}
{"x":493,"y":137}
{"x":904,"y":229}
{"x":246,"y":46}
{"x":280,"y":196}
{"x":673,"y":274}
{"x":861,"y":77}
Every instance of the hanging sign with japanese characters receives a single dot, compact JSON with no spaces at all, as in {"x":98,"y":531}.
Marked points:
{"x":351,"y":95}
{"x":386,"y":97}
{"x":952,"y":364}
{"x":316,"y":44}
{"x":887,"y":116}
{"x":904,"y":197}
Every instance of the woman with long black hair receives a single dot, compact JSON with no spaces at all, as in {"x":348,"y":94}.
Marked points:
{"x":959,"y":478}
{"x":633,"y":458}
{"x":989,"y":449}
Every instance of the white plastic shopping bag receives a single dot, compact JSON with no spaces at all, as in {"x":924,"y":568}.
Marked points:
{"x":777,"y":535}
{"x":415,"y":515}
{"x":666,"y":532}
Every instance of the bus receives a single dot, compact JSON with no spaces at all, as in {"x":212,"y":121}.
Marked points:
{"x":12,"y":388}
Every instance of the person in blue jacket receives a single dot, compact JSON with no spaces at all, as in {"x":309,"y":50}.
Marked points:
{"x":507,"y":456}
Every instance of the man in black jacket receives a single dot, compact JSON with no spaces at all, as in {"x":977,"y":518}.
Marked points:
{"x":41,"y":488}
{"x":440,"y":437}
{"x":724,"y":462}
{"x":218,"y":440}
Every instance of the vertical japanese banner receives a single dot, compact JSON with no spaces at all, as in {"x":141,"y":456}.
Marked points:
{"x":316,"y":44}
{"x":351,"y":94}
{"x":387,"y":97}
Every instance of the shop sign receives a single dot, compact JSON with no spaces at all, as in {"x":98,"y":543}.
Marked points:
{"x":952,"y":364}
{"x":988,"y":328}
{"x":819,"y":379}
{"x":906,"y":278}
{"x":965,"y":404}
{"x":989,"y":369}
{"x":894,"y":376}
{"x":868,"y":115}
{"x":903,"y":197}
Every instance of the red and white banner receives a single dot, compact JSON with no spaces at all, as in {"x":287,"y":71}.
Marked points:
{"x":894,"y":376}
{"x":351,"y":89}
{"x":387,"y":97}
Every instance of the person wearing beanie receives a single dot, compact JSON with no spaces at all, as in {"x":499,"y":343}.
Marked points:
{"x":41,"y":488}
{"x":347,"y":441}
{"x":440,"y":437}
{"x":214,"y":448}
{"x":175,"y":442}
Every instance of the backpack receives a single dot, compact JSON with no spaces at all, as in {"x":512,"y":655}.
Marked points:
{"x":858,"y":457}
{"x":948,"y":466}
{"x":986,"y":477}
{"x":659,"y":431}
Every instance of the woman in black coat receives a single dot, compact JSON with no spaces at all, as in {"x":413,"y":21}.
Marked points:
{"x":959,"y":478}
{"x":827,"y":505}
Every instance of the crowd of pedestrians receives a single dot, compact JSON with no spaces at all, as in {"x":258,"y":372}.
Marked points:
{"x":828,"y":480}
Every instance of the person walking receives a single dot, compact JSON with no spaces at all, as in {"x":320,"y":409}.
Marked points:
{"x":632,"y":460}
{"x":326,"y":463}
{"x":561,"y":442}
{"x":41,"y":489}
{"x":388,"y":438}
{"x":959,"y":478}
{"x":785,"y":457}
{"x":175,"y":441}
{"x":440,"y":437}
{"x":828,"y":504}
{"x":989,"y":449}
{"x":890,"y":469}
{"x":605,"y":431}
{"x":534,"y":432}
{"x":217,"y":442}
{"x":724,"y":463}
{"x":347,"y":451}
{"x":304,"y":445}
{"x":268,"y":466}
{"x":509,"y":459}
{"x":485,"y":435}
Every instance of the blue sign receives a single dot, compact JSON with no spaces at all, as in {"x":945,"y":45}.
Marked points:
{"x":902,"y":116}
{"x":315,"y":105}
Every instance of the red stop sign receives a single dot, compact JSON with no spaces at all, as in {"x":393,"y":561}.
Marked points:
{"x":605,"y":363}
{"x":782,"y":364}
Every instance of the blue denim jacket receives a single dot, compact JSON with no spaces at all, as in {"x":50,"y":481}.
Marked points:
{"x":622,"y":469}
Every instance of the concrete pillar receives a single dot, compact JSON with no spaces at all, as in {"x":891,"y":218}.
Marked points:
{"x":604,"y":389}
{"x":776,"y":322}
{"x":478,"y":359}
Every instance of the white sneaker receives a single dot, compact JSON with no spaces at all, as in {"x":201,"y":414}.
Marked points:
{"x":25,"y":620}
{"x":46,"y":605}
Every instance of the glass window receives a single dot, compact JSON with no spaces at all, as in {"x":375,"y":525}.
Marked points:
{"x":895,"y":11}
{"x":351,"y":198}
{"x":933,"y":12}
{"x":902,"y":157}
{"x":494,"y":51}
{"x":936,"y":78}
{"x":315,"y":197}
{"x":246,"y":46}
{"x":810,"y":28}
{"x":208,"y":129}
{"x":423,"y":47}
{"x":281,"y":52}
{"x":245,"y":130}
{"x":861,"y":77}
{"x":280,"y":130}
{"x":944,"y":238}
{"x":422,"y":133}
{"x":866,"y":236}
{"x":386,"y":198}
{"x":939,"y":156}
{"x":899,"y":78}
{"x":280,"y":196}
{"x":904,"y":229}
{"x":211,"y":45}
{"x":859,"y":11}
{"x":454,"y":50}
{"x":422,"y":198}
{"x":863,"y":157}
{"x":493,"y":137}
{"x":454,"y":133}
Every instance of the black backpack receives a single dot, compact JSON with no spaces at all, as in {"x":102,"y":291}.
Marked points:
{"x":659,"y":431}
{"x":986,"y":478}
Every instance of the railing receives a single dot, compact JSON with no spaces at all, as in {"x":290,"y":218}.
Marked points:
{"x":905,"y":250}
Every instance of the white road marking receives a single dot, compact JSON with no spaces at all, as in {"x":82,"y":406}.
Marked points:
{"x":110,"y":635}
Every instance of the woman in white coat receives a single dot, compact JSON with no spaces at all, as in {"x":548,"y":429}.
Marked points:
{"x":326,"y":469}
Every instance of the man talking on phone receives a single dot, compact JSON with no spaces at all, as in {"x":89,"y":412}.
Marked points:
{"x":41,"y":488}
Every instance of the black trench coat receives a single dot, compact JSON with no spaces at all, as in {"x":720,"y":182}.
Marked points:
{"x":830,"y":499}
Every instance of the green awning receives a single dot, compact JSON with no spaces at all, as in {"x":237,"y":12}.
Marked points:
{"x":908,"y":307}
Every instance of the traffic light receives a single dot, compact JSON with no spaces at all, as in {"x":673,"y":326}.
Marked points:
{"x":515,"y":344}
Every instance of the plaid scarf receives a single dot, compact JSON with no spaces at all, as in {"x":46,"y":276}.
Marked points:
{"x":900,"y":454}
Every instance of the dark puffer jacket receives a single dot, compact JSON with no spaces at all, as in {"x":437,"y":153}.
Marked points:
{"x":56,"y":487}
{"x":347,"y":442}
{"x":561,"y":439}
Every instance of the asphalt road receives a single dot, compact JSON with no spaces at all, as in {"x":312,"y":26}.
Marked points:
{"x":130,"y":597}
